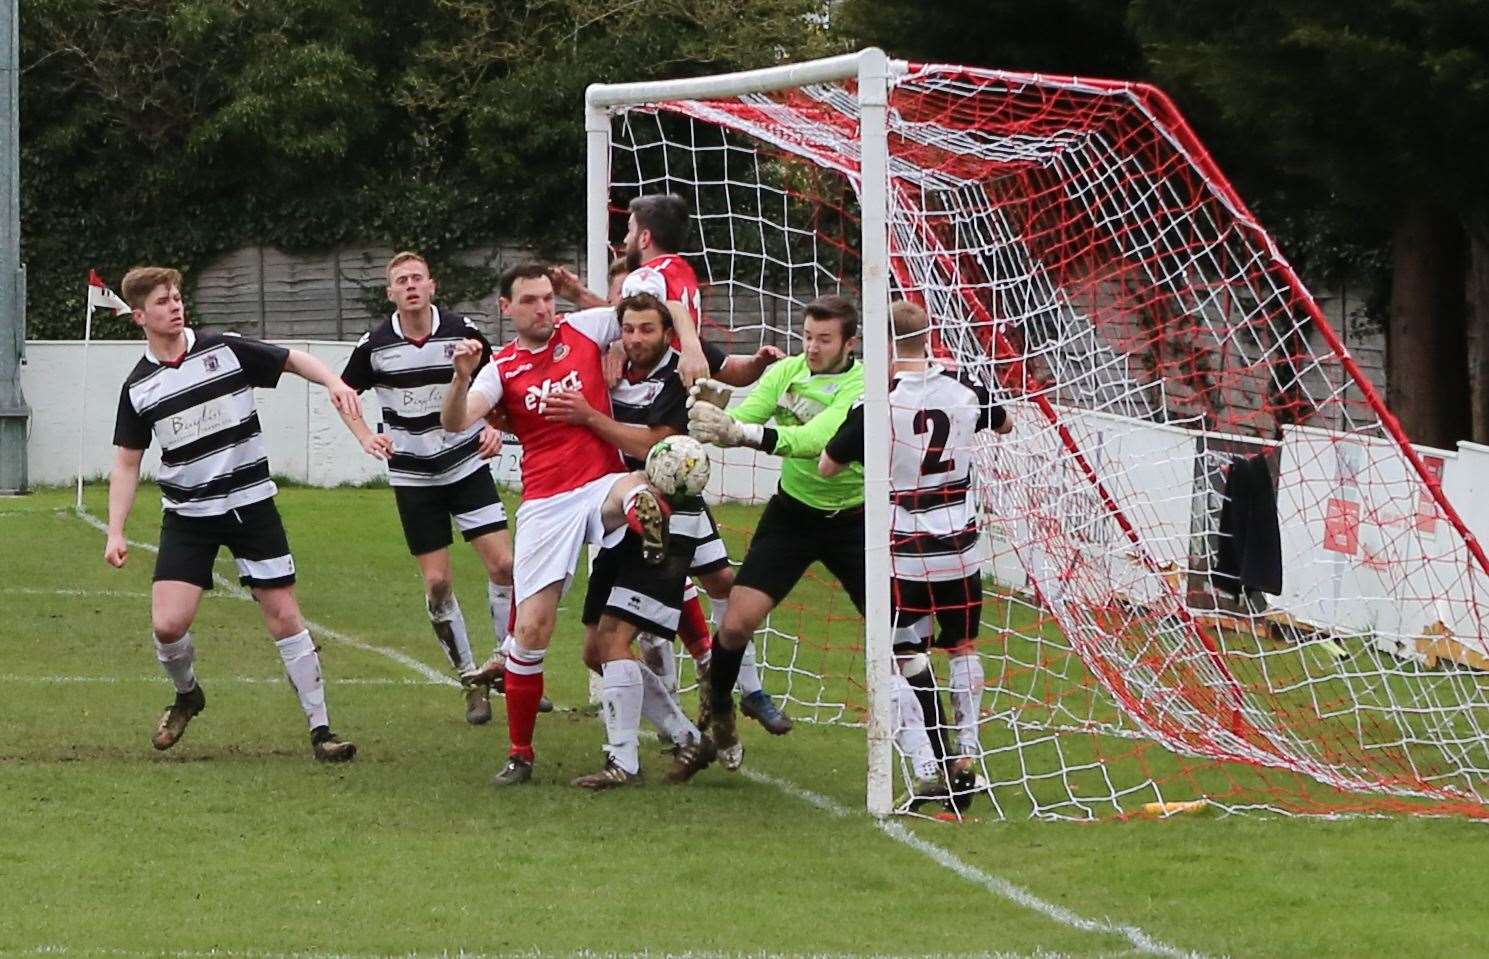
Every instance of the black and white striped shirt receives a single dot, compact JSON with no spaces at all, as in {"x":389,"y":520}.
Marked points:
{"x":934,"y":417}
{"x":658,"y":398}
{"x":200,"y":407}
{"x":411,"y":377}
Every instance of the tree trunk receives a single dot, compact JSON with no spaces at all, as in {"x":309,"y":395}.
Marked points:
{"x":1478,"y":338}
{"x":1426,"y":360}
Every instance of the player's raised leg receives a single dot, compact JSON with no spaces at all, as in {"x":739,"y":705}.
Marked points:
{"x":173,"y":608}
{"x":495,"y":550}
{"x":754,"y":701}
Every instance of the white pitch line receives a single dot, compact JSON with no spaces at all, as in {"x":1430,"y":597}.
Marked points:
{"x":995,"y":884}
{"x":157,"y":680}
{"x":111,"y":593}
{"x":44,"y":951}
{"x":233,"y":589}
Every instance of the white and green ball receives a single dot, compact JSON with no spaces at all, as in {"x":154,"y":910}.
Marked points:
{"x":678,"y":466}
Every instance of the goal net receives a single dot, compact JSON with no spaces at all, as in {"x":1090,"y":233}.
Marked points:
{"x":1215,"y":570}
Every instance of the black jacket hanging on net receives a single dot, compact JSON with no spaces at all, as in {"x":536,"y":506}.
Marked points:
{"x":1250,"y":554}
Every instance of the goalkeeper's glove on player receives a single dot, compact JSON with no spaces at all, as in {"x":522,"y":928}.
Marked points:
{"x":709,"y":424}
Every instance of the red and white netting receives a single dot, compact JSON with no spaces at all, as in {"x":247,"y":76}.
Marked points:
{"x":1082,"y":255}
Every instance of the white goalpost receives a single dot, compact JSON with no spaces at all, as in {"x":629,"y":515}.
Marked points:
{"x":871,"y":69}
{"x":1217,"y":574}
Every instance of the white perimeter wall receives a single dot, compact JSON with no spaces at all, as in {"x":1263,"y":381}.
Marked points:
{"x":1402,"y":570}
{"x":307,"y":440}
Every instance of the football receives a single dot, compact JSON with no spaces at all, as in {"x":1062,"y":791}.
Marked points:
{"x":678,"y":466}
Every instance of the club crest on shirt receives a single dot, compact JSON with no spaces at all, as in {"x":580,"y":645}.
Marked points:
{"x":449,"y":351}
{"x":560,"y":351}
{"x":211,"y":363}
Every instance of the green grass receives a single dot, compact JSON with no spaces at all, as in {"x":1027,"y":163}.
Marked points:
{"x":235,"y":841}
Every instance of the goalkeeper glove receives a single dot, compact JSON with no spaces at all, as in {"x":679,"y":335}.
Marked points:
{"x":709,"y":424}
{"x":708,"y":391}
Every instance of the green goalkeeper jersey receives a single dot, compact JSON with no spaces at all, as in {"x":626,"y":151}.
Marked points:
{"x":807,"y":408}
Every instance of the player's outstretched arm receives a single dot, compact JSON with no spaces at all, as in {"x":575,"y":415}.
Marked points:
{"x":828,"y":466}
{"x":846,"y":446}
{"x":343,"y":397}
{"x":566,"y":284}
{"x":379,"y":445}
{"x":124,"y":481}
{"x":463,"y":406}
{"x":693,"y":365}
{"x":633,"y":439}
{"x":744,"y":370}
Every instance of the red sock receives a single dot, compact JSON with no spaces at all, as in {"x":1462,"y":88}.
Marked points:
{"x":692,"y":628}
{"x":524,"y":689}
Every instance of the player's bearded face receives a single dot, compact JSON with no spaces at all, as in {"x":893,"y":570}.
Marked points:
{"x":633,"y":244}
{"x":531,"y":308}
{"x":826,"y":348}
{"x":644,"y":337}
{"x":162,"y":313}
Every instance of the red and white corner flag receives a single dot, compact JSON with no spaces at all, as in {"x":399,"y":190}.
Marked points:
{"x":101,"y":297}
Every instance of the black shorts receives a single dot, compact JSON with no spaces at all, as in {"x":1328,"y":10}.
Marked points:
{"x":692,"y":530}
{"x":956,"y":604}
{"x":621,"y":585}
{"x":254,"y":534}
{"x":791,"y":536}
{"x":425,"y":511}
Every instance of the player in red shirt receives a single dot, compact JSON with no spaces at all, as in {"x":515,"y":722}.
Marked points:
{"x":655,"y":233}
{"x":575,"y":487}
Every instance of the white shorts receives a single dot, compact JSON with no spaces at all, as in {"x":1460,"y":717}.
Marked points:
{"x":553,"y":531}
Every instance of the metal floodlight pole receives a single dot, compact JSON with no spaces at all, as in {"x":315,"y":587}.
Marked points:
{"x":15,"y":415}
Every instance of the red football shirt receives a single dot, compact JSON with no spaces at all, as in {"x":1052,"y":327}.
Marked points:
{"x":556,"y":457}
{"x":669,"y":277}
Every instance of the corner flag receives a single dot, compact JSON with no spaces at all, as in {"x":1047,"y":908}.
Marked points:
{"x":100,"y":296}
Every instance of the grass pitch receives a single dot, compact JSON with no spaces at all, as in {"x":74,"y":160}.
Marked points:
{"x":235,"y":843}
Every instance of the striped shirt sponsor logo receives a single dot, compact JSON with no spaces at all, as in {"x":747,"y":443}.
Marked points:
{"x":201,"y":411}
{"x":411,"y":378}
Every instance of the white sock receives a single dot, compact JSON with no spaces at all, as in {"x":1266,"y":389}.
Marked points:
{"x":660,"y":658}
{"x":622,"y":701}
{"x":716,"y":610}
{"x":304,"y":669}
{"x":177,"y":659}
{"x":967,"y":682}
{"x":907,"y":635}
{"x":909,"y":734}
{"x":660,"y":707}
{"x":449,"y":629}
{"x":499,"y":598}
{"x":749,"y":673}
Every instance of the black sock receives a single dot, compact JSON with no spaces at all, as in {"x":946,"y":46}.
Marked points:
{"x":723,"y":673}
{"x":924,"y":685}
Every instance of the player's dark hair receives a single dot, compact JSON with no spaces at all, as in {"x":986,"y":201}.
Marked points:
{"x":666,"y":216}
{"x":530,"y":270}
{"x":834,"y":307}
{"x":640,"y":303}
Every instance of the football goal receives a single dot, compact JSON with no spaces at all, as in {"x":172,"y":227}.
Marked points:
{"x":1216,"y":571}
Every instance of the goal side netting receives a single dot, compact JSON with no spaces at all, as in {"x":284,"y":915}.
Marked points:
{"x":1214,"y":568}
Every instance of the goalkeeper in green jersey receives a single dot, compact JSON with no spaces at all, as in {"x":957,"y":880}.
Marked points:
{"x":792,"y":412}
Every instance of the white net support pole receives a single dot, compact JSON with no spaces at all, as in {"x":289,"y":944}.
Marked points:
{"x":873,"y":99}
